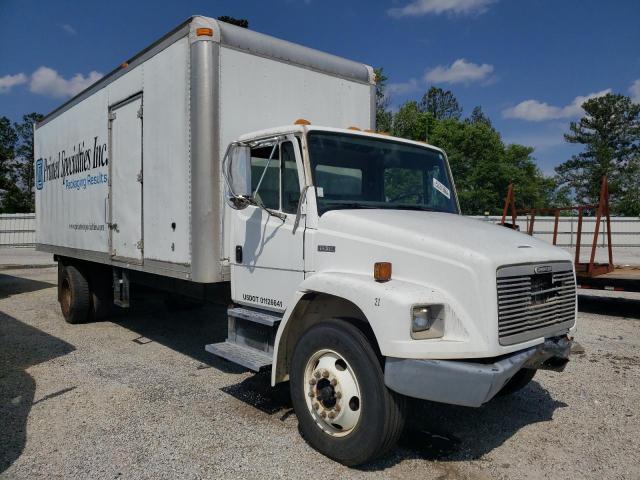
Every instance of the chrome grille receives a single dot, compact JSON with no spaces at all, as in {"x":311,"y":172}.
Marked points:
{"x":532,"y":305}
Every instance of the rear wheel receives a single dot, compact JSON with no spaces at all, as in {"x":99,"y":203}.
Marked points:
{"x":74,"y":295}
{"x":518,"y":381}
{"x":101,"y":290}
{"x":344,"y":409}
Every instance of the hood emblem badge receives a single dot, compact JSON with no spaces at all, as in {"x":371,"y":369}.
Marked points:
{"x":543,"y":269}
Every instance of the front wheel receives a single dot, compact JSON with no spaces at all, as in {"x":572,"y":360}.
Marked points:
{"x":344,"y":409}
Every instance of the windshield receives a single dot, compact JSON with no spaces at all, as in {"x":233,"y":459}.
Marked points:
{"x":352,"y":171}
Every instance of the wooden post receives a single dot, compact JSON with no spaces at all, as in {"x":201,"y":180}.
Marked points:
{"x":533,"y":219}
{"x":605,"y":181}
{"x":578,"y":237}
{"x":555,"y":226}
{"x":509,"y":202}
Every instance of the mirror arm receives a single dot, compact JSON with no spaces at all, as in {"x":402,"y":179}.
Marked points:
{"x":303,"y":198}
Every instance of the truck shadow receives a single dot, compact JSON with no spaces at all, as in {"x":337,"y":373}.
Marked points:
{"x":186,"y":331}
{"x":452,"y":433}
{"x":21,"y":346}
{"x":437,"y":431}
{"x":12,"y":285}
{"x":611,"y":306}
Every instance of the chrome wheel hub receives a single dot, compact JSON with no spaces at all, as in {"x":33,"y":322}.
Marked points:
{"x":332,"y":393}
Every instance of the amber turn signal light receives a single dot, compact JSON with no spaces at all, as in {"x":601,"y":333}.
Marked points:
{"x":204,"y":32}
{"x":382,"y":271}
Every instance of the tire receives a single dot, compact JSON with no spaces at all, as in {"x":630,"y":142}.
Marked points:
{"x":74,"y":295}
{"x":337,"y":351}
{"x":518,"y":381}
{"x":101,"y":290}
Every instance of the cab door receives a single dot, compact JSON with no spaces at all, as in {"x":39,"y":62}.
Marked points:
{"x":267,"y":256}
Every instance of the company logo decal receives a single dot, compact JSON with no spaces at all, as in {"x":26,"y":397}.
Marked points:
{"x":82,"y":160}
{"x":39,"y":174}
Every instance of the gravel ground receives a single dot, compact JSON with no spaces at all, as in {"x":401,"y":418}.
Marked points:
{"x":137,"y":397}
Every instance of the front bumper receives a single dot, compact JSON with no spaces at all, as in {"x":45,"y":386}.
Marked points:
{"x":470,"y":383}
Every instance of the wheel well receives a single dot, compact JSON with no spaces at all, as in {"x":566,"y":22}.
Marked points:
{"x":311,"y":309}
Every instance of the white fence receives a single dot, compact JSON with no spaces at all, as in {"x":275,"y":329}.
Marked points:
{"x":18,"y":229}
{"x":625,"y":231}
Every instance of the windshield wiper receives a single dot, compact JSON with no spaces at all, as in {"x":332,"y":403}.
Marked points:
{"x":413,"y":207}
{"x":336,"y":205}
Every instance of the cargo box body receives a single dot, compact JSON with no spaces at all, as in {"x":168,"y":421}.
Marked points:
{"x":128,"y":171}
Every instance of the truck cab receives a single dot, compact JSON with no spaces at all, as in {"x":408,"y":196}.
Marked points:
{"x":356,"y":278}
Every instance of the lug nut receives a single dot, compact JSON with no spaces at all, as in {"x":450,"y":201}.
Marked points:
{"x":323,"y":414}
{"x":316,"y":405}
{"x":337,"y":408}
{"x":338,"y":395}
{"x":334,"y":382}
{"x":325,"y":374}
{"x":332,"y":415}
{"x":316,"y":374}
{"x":311,"y":394}
{"x":312,"y":381}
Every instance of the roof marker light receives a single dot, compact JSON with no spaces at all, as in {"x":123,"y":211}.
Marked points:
{"x":204,"y":32}
{"x":354,"y":128}
{"x":302,"y":121}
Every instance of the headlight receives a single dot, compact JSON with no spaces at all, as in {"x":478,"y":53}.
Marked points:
{"x":427,"y":321}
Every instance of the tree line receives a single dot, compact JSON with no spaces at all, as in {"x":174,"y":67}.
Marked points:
{"x":483,"y":165}
{"x":17,"y":180}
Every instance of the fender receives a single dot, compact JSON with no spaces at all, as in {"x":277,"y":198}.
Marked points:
{"x":387,"y":307}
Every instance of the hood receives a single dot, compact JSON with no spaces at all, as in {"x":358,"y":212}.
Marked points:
{"x":446,"y":234}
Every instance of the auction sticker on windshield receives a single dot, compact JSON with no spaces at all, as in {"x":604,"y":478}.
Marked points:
{"x":441,"y":188}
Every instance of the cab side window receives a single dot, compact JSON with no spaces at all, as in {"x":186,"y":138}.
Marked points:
{"x":290,"y":182}
{"x":269,"y":191}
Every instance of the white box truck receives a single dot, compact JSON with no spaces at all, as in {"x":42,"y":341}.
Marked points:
{"x":352,"y":273}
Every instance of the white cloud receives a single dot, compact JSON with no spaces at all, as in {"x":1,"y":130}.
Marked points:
{"x":46,"y":81}
{"x":403,"y":88}
{"x":68,"y":29}
{"x":536,"y":111}
{"x":9,"y":81}
{"x":635,"y":91}
{"x":460,"y":71}
{"x":437,"y":7}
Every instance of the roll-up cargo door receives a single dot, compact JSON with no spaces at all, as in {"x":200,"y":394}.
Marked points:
{"x":125,"y":195}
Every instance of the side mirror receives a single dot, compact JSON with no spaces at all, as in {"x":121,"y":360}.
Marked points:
{"x":238,"y":176}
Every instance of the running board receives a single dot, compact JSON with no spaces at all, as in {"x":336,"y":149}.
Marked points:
{"x":246,"y":356}
{"x":250,"y":338}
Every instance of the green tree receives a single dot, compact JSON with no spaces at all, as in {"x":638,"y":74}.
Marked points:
{"x":478,"y":116}
{"x":384,"y":117}
{"x":440,"y":104}
{"x":240,"y":22}
{"x":610,"y":134}
{"x":410,"y":122}
{"x":9,"y":192}
{"x":24,"y":173}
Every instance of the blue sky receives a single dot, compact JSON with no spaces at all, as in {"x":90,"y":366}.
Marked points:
{"x":527,"y":63}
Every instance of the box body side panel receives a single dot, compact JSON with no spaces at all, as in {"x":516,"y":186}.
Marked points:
{"x":73,"y":210}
